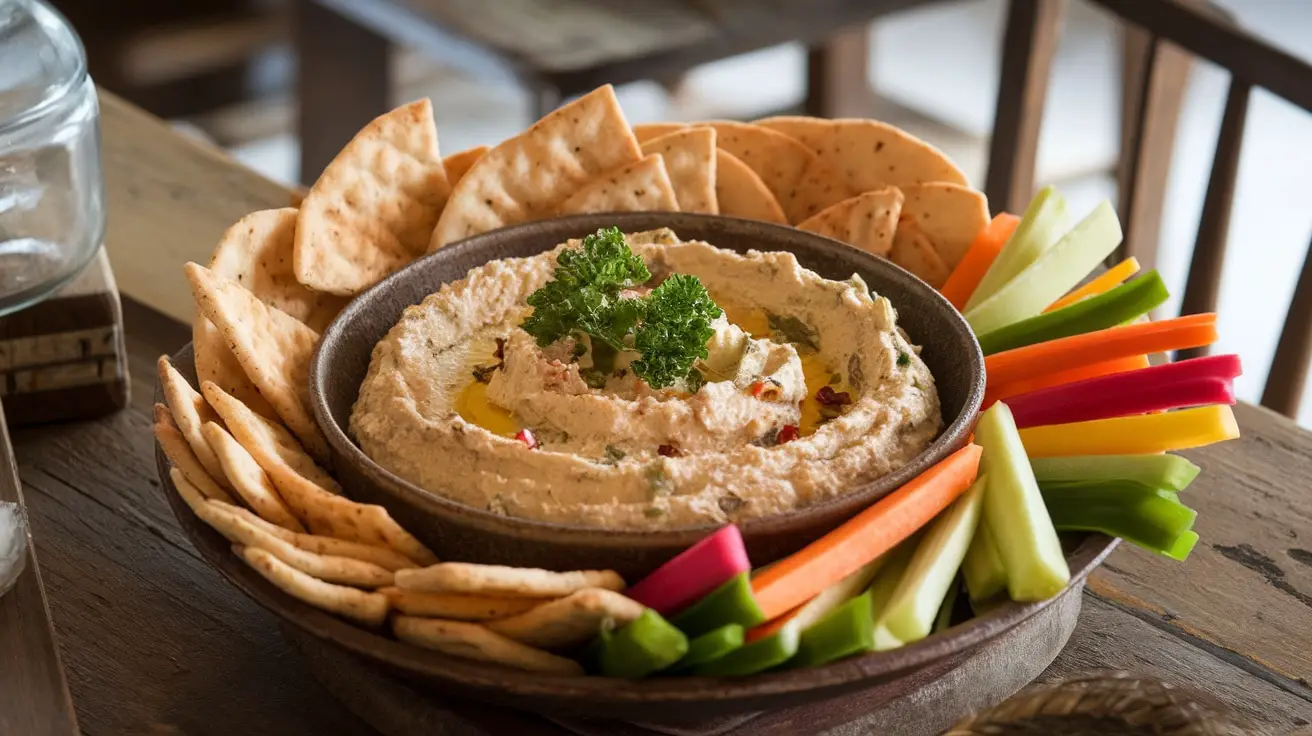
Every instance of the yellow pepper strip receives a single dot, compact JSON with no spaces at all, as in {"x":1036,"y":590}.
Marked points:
{"x":1110,"y":279}
{"x":1136,"y":435}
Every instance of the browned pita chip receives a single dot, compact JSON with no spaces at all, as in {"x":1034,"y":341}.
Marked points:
{"x":249,"y":480}
{"x":374,"y":207}
{"x":739,"y":192}
{"x":215,"y":362}
{"x":458,"y":163}
{"x":866,"y":221}
{"x":949,"y":216}
{"x":690,"y":160}
{"x":472,"y":641}
{"x":529,"y":175}
{"x":185,"y":462}
{"x":570,"y":622}
{"x":638,"y":187}
{"x":799,"y":180}
{"x":868,"y":154}
{"x":257,"y":253}
{"x":913,"y":251}
{"x":274,"y":349}
{"x":647,"y":131}
{"x":190,"y":413}
{"x":367,"y":608}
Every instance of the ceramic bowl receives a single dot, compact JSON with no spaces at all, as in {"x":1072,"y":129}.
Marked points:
{"x":458,"y":532}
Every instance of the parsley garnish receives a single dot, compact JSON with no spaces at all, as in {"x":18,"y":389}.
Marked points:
{"x":903,"y":359}
{"x":669,"y":327}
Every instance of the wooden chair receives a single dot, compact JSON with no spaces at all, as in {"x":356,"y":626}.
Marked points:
{"x":1205,"y":32}
{"x":560,"y":48}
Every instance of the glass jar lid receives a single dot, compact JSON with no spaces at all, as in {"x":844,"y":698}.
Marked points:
{"x":41,"y":61}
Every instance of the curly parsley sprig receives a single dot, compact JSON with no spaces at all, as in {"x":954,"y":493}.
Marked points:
{"x":669,"y":327}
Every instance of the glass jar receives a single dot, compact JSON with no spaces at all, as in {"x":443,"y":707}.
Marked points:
{"x":52,"y":200}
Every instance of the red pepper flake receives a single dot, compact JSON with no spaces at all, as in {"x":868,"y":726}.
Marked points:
{"x":669,"y":451}
{"x":829,"y":397}
{"x":528,"y":438}
{"x":767,"y":390}
{"x":788,"y":433}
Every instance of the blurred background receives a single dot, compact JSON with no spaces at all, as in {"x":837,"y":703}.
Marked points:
{"x":225,"y":70}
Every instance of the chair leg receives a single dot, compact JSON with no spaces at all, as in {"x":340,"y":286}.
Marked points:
{"x":837,"y":76}
{"x":343,"y":83}
{"x":1028,"y":48}
{"x":545,"y":99}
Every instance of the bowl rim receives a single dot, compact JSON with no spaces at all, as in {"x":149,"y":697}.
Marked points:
{"x":950,"y":439}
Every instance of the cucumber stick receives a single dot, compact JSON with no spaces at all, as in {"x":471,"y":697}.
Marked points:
{"x":884,"y":586}
{"x":943,"y":621}
{"x":982,"y":568}
{"x":1169,"y":472}
{"x":1015,"y":513}
{"x":910,"y":613}
{"x":1043,"y":224}
{"x":1052,"y":274}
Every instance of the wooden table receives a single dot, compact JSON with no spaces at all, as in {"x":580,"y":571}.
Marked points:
{"x":155,"y":642}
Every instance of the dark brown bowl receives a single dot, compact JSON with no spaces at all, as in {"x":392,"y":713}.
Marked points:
{"x":458,"y":532}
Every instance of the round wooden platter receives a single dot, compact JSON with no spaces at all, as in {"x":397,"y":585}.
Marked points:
{"x":923,"y":703}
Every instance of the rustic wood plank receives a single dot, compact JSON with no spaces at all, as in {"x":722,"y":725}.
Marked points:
{"x":33,"y":693}
{"x":1028,"y":48}
{"x":1289,"y":367}
{"x":1247,"y":587}
{"x":169,"y":199}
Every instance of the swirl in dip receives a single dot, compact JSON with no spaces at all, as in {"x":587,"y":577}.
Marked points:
{"x":808,"y":390}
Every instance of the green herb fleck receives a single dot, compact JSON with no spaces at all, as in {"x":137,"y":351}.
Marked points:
{"x":594,"y":378}
{"x":903,"y":359}
{"x":579,"y":350}
{"x":613,"y":454}
{"x":659,"y":482}
{"x":835,"y":379}
{"x":653,"y":512}
{"x":793,"y":330}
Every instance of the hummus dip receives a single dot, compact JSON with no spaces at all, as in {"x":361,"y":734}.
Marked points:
{"x":808,"y":391}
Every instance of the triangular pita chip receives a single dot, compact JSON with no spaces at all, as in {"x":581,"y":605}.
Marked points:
{"x":647,"y":131}
{"x":869,"y":154}
{"x":913,"y":251}
{"x":866,"y":221}
{"x":639,"y":187}
{"x":215,"y":362}
{"x":249,"y":480}
{"x":739,"y":192}
{"x":273,"y":349}
{"x":690,"y":160}
{"x":799,"y":180}
{"x":528,"y":176}
{"x":948,"y":215}
{"x":374,"y":207}
{"x":458,"y":163}
{"x":365,"y":607}
{"x":257,"y":253}
{"x":190,"y":413}
{"x":184,"y":460}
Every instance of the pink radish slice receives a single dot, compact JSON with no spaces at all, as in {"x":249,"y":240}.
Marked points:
{"x":694,"y":573}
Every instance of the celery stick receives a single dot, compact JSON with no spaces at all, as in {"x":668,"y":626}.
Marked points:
{"x":1150,"y":518}
{"x":1053,"y":274}
{"x":1039,"y":228}
{"x":910,"y":613}
{"x":884,"y":586}
{"x":943,"y":621}
{"x":982,"y":568}
{"x":1015,"y":513}
{"x":1112,"y":308}
{"x":1170,"y":472}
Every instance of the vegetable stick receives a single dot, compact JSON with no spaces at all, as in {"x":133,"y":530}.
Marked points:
{"x":1004,"y":392}
{"x":645,"y":645}
{"x":799,"y":577}
{"x":1150,"y":518}
{"x":1105,"y":282}
{"x":943,"y":620}
{"x":982,"y":567}
{"x":693,"y":573}
{"x":1195,"y":382}
{"x":1039,"y":228}
{"x":1052,"y":274}
{"x":966,"y":276}
{"x":757,"y":656}
{"x":885,"y":585}
{"x":848,"y":629}
{"x":1014,"y":511}
{"x":731,"y":603}
{"x":710,"y":646}
{"x":1033,"y":361}
{"x":1145,"y":433}
{"x":810,"y":613}
{"x":920,"y":593}
{"x":1118,"y":306}
{"x":1169,"y":472}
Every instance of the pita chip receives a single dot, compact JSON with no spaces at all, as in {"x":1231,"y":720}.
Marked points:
{"x":569,"y":622}
{"x":739,"y":192}
{"x":466,"y":577}
{"x":189,"y":493}
{"x":528,"y":176}
{"x":638,"y":187}
{"x":457,"y":607}
{"x":273,"y":348}
{"x":383,"y":557}
{"x":373,"y":208}
{"x":472,"y":641}
{"x":866,"y":221}
{"x":647,"y":131}
{"x":948,"y":215}
{"x":190,"y":413}
{"x":216,"y":363}
{"x":690,"y":160}
{"x":257,"y":253}
{"x":913,"y":251}
{"x":868,"y":154}
{"x":184,"y":461}
{"x":249,"y":480}
{"x":799,"y":180}
{"x":458,"y":163}
{"x":366,"y":607}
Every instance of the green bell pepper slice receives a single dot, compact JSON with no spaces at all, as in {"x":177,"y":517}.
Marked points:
{"x":757,"y":656}
{"x":711,"y":646}
{"x":847,"y":630}
{"x":1169,"y":472}
{"x":645,"y":645}
{"x":1151,"y":518}
{"x":731,"y":603}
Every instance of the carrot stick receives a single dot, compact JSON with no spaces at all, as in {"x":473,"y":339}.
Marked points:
{"x":1110,"y":279}
{"x":1123,"y":341}
{"x":968,"y":273}
{"x":1003,"y":392}
{"x":1136,"y":435}
{"x":803,"y":575}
